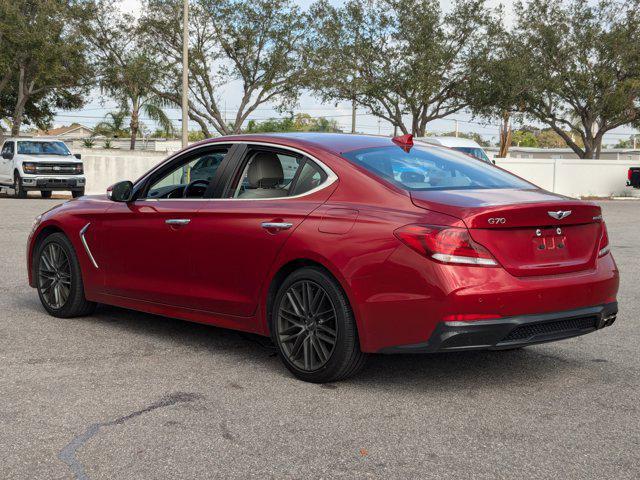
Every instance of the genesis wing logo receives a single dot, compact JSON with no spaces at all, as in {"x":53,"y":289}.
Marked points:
{"x":560,"y":214}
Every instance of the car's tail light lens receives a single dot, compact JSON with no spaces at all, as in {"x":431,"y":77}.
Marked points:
{"x":603,"y":248}
{"x":445,"y":244}
{"x":629,"y":174}
{"x":29,"y":167}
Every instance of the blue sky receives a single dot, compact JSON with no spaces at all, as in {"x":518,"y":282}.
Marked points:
{"x":97,"y":107}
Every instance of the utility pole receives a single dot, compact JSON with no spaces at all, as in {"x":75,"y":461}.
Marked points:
{"x":185,"y":74}
{"x":353,"y":116}
{"x":456,"y":128}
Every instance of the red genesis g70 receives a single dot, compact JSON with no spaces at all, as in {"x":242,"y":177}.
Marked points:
{"x":336,"y":246}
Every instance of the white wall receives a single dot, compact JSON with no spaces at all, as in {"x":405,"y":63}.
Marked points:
{"x":575,"y":178}
{"x":106,"y":167}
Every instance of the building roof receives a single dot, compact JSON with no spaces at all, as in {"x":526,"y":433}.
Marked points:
{"x":63,"y":130}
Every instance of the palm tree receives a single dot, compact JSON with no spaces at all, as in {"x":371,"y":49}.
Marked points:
{"x":129,"y":81}
{"x":113,"y":125}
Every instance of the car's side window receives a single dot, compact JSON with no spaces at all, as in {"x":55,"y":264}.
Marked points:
{"x":7,"y":147}
{"x":188,"y":179}
{"x":270,"y":173}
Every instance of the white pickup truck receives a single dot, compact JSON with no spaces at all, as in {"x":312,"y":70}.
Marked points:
{"x":40,"y":164}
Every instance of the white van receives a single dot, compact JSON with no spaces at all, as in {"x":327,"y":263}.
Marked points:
{"x":464,"y":145}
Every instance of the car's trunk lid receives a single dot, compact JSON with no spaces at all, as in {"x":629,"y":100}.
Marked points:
{"x":525,"y":230}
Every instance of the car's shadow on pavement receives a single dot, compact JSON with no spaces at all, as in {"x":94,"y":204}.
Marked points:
{"x":447,"y":371}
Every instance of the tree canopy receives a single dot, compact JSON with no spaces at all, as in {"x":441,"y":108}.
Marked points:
{"x":398,"y":58}
{"x":583,"y":63}
{"x":250,"y":46}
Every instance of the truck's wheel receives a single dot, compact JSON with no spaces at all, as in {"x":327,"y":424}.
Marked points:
{"x":18,"y":189}
{"x":77,"y":193}
{"x":45,"y":193}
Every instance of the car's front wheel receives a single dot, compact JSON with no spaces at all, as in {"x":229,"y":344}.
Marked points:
{"x":18,"y":189}
{"x":45,"y":193}
{"x":77,"y":193}
{"x":314,"y":328}
{"x":59,"y":279}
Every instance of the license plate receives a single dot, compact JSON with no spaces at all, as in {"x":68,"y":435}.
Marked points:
{"x":549,"y":239}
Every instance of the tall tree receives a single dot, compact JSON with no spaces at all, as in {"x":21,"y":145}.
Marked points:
{"x":398,"y":58}
{"x":583,"y":62}
{"x":48,"y":66}
{"x":503,"y":81}
{"x":233,"y":43}
{"x":125,"y":70}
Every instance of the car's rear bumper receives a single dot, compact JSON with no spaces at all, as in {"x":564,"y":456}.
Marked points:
{"x":512,"y":332}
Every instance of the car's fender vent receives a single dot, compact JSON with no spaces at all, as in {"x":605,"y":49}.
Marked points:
{"x":558,"y":328}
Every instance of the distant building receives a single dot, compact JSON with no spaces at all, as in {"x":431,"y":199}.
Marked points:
{"x":75,"y":131}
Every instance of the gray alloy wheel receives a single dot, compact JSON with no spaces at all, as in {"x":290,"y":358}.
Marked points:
{"x":54,"y":276}
{"x":59,"y":278}
{"x":313,"y":327}
{"x":307,"y":329}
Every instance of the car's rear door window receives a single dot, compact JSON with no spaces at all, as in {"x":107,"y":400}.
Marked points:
{"x":432,"y":168}
{"x":273,"y":173}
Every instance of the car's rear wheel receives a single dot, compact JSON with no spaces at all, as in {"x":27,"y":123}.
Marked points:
{"x":45,"y":193}
{"x":314,"y":328}
{"x":59,"y":279}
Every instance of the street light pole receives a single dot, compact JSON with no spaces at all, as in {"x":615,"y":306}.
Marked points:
{"x":185,"y":74}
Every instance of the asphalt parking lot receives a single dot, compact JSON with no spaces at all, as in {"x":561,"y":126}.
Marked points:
{"x":128,"y":395}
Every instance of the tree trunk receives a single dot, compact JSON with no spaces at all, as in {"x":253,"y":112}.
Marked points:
{"x":505,"y":134}
{"x":134,"y":126}
{"x":18,"y":111}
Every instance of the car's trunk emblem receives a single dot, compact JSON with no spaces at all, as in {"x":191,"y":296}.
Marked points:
{"x":560,"y":214}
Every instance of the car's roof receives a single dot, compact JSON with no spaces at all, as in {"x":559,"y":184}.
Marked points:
{"x":333,"y":142}
{"x":450,"y":141}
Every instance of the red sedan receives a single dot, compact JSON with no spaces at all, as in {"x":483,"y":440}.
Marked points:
{"x":336,"y":246}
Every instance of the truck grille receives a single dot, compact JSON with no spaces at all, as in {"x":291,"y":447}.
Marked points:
{"x":558,"y":327}
{"x":56,"y":169}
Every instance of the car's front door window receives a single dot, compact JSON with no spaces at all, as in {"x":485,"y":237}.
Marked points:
{"x":189,"y":179}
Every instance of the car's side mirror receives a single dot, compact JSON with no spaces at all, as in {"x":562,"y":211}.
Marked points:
{"x":121,"y":191}
{"x":78,"y":156}
{"x":7,"y":156}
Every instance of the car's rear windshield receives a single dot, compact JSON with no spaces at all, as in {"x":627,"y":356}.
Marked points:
{"x":43,"y":148}
{"x":433,"y":168}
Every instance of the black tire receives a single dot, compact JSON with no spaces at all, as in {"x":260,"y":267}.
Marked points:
{"x":75,"y":304}
{"x":45,"y":193}
{"x":77,"y":193}
{"x":18,"y":189}
{"x":345,"y":358}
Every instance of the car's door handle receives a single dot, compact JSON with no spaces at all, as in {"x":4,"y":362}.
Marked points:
{"x":177,"y":221}
{"x":276,"y":225}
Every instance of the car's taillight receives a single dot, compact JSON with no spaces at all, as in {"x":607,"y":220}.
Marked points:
{"x":629,"y":174}
{"x":445,"y":244}
{"x":603,"y":248}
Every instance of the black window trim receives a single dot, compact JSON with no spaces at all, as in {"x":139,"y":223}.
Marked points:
{"x":241,"y":160}
{"x":232,"y":159}
{"x":142,"y":185}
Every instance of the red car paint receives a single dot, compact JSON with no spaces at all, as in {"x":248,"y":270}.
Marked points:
{"x":218,"y":269}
